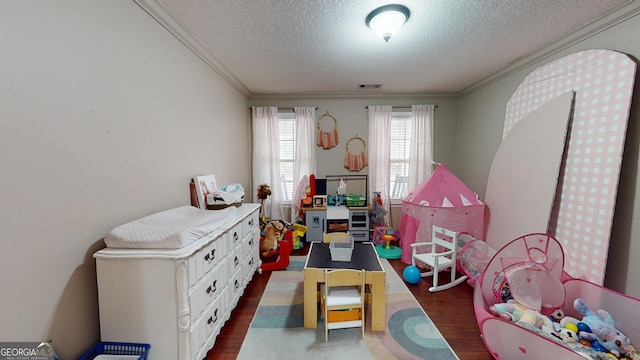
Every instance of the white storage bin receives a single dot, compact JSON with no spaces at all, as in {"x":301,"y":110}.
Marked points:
{"x":341,"y":247}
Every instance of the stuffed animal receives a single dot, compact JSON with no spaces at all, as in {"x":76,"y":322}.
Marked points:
{"x":567,"y":335}
{"x":602,"y":328}
{"x":556,"y":315}
{"x":264,"y":191}
{"x":518,"y":313}
{"x":273,"y":231}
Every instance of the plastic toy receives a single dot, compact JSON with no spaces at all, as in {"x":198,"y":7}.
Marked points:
{"x":309,"y":192}
{"x":382,"y":238}
{"x":300,"y":230}
{"x":285,"y":246}
{"x":411,"y":274}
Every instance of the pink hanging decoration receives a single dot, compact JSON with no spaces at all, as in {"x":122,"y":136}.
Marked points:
{"x":327,"y":139}
{"x":356,"y":162}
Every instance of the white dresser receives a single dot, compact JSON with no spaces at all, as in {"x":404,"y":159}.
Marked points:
{"x":177,"y":300}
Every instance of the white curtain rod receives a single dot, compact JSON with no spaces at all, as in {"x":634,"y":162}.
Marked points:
{"x":401,"y":106}
{"x":283,"y":109}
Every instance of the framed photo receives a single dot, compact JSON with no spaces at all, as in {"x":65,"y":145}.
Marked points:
{"x":320,"y":201}
{"x":205,"y":185}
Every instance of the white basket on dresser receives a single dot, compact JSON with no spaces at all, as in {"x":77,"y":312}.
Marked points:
{"x":178,"y":299}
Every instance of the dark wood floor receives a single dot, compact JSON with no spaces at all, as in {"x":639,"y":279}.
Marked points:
{"x":451,"y":311}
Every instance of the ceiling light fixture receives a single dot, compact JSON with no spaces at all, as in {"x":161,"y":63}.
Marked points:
{"x":388,"y":19}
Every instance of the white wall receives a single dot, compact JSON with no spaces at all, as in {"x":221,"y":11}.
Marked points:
{"x":481,"y":120}
{"x":104,"y":118}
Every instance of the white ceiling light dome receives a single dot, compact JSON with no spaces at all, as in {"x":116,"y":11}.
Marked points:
{"x":387,"y":20}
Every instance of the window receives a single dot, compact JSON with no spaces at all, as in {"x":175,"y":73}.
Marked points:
{"x":400,"y":141}
{"x":287,"y":128}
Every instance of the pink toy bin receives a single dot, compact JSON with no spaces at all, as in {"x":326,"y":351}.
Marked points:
{"x":541,"y":252}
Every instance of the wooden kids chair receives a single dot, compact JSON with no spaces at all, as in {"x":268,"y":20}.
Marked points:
{"x":342,"y":300}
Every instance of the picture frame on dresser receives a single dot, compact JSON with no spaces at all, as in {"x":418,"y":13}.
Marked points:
{"x":205,"y":185}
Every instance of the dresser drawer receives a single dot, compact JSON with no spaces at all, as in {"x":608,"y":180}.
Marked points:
{"x":235,"y":236}
{"x":212,"y":321}
{"x":252,"y":241}
{"x":209,"y":256}
{"x":250,"y":265}
{"x":207,"y":290}
{"x":234,"y":260}
{"x":250,"y":223}
{"x":234,"y":288}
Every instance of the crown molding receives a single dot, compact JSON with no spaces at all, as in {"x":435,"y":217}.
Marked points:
{"x":606,"y":21}
{"x":157,"y":12}
{"x":273,"y":97}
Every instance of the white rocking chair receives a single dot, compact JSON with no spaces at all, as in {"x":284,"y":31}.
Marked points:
{"x":441,"y":254}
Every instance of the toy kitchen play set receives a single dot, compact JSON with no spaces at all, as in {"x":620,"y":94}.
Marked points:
{"x":335,"y":211}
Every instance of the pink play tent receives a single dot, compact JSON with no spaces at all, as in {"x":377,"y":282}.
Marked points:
{"x":443,"y":200}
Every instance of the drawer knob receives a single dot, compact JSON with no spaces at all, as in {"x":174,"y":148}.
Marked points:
{"x":236,"y":261}
{"x":210,"y":256}
{"x":213,"y":318}
{"x":213,"y":287}
{"x":251,"y":222}
{"x":251,"y":242}
{"x":235,"y":236}
{"x":237,"y":284}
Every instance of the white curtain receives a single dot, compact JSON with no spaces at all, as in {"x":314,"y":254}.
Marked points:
{"x":379,"y":123}
{"x":421,"y":148}
{"x":266,"y":153}
{"x":305,"y":158}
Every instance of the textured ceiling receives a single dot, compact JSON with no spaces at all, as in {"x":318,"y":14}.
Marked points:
{"x":281,"y":47}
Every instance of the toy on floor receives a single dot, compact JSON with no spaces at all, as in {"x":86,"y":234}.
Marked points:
{"x":300,"y":230}
{"x":377,"y":212}
{"x":383,"y":235}
{"x":273,"y":232}
{"x":382,"y":238}
{"x":411,"y":274}
{"x":276,"y":245}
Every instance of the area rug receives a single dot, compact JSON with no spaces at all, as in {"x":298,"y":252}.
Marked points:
{"x":277,"y":330}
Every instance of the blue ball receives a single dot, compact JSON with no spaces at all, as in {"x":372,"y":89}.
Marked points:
{"x":411,"y":274}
